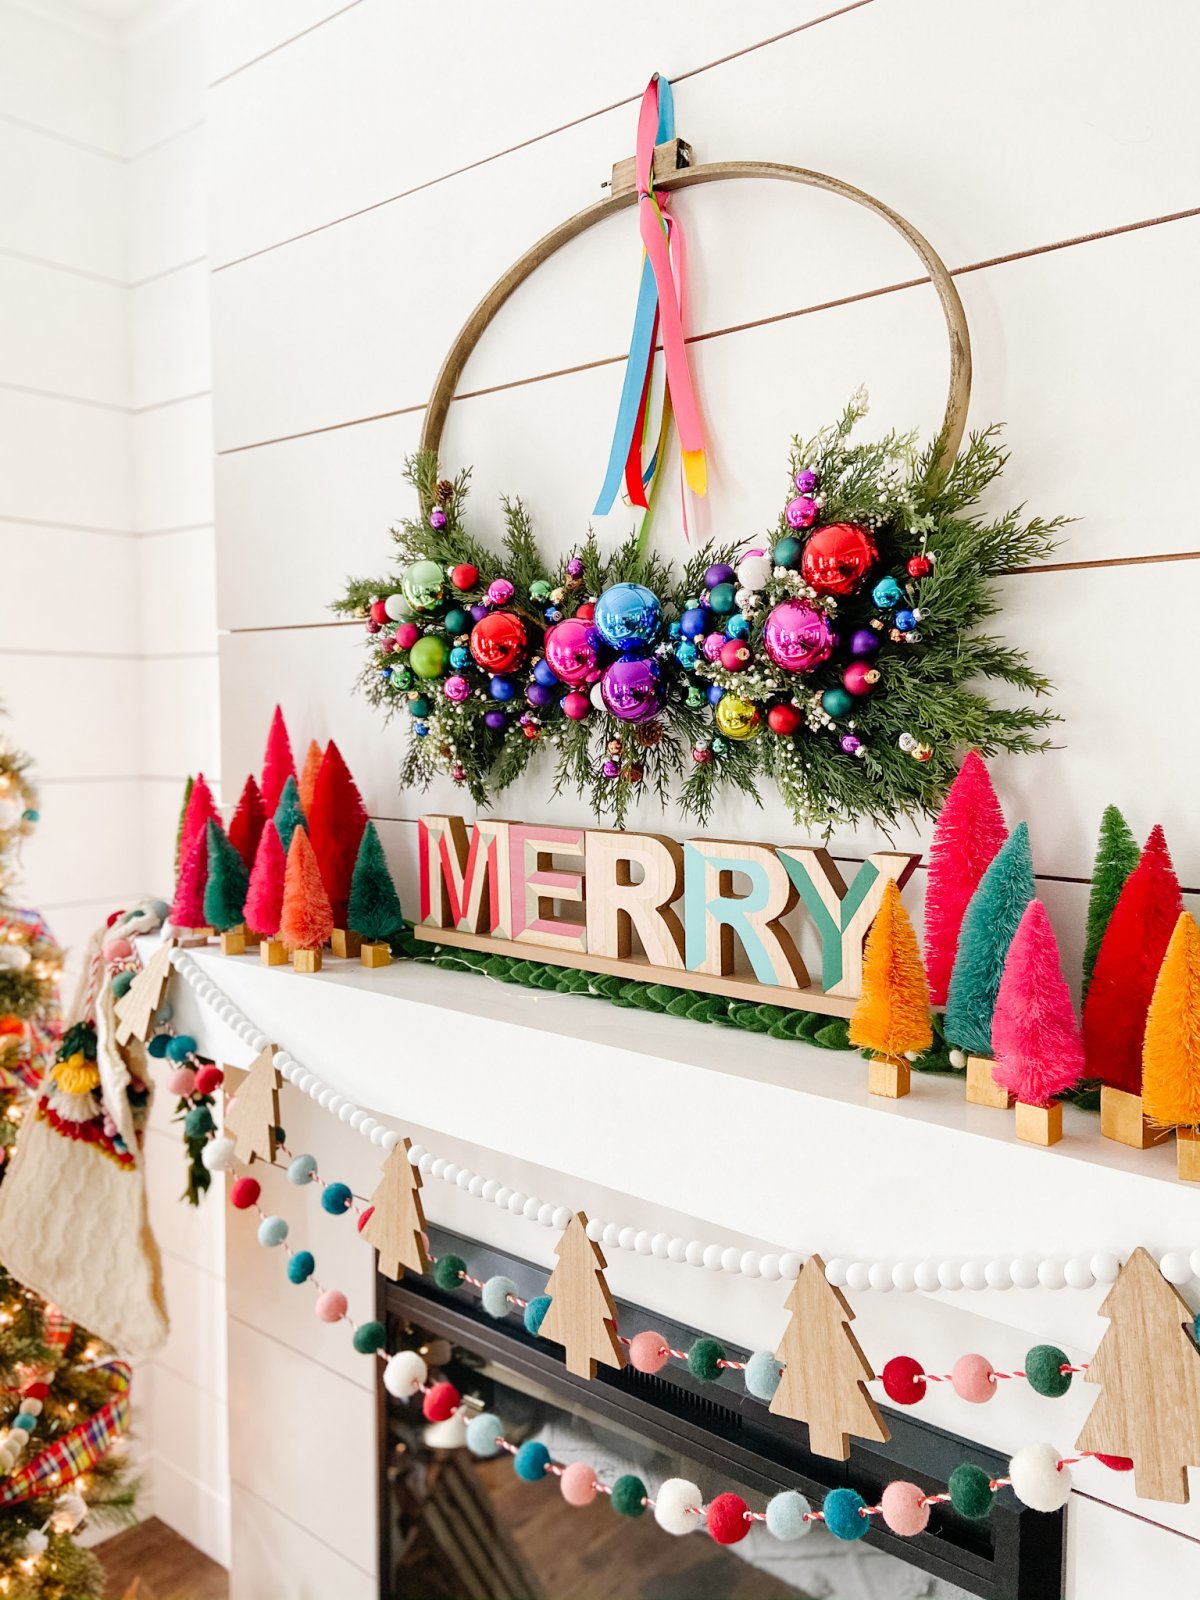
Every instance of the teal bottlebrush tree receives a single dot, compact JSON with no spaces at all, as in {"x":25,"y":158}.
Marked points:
{"x":228,"y":880}
{"x":1116,"y":856}
{"x":988,"y":928}
{"x":969,"y":831}
{"x":289,"y":814}
{"x":374,"y":911}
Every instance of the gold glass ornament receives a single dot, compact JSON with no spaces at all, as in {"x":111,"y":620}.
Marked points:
{"x":737,"y":718}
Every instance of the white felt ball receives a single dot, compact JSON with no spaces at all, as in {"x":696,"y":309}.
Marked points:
{"x":753,"y":572}
{"x":1176,"y":1267}
{"x":676,"y":1504}
{"x":1037,"y":1479}
{"x":217,"y":1155}
{"x":404,"y":1374}
{"x":397,"y":607}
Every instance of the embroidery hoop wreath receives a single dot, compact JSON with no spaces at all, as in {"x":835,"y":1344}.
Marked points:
{"x":930,"y":706}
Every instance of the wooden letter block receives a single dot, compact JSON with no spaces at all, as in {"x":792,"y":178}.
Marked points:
{"x":345,"y":944}
{"x":982,"y":1088}
{"x":306,"y":960}
{"x":1187,"y":1152}
{"x":889,"y":1077}
{"x":1039,"y":1124}
{"x":715,"y":919}
{"x":535,"y":888}
{"x":233,"y":942}
{"x":272,"y":952}
{"x":617,"y":908}
{"x":375,"y":955}
{"x":1121,"y":1119}
{"x":456,"y":871}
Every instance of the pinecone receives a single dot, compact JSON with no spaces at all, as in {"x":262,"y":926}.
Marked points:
{"x":649,"y":735}
{"x":443,"y":491}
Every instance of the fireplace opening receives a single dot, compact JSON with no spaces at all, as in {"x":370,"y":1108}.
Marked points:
{"x":454,"y":1526}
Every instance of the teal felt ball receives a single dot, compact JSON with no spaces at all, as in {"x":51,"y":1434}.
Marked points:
{"x":448,"y":1272}
{"x":303,"y":1169}
{"x":762,"y":1375}
{"x":494,"y":1295}
{"x":198,"y":1122}
{"x":787,"y":553}
{"x":272,"y":1231}
{"x":164,"y":1014}
{"x":843,"y":1510}
{"x":301,"y":1266}
{"x":531,"y":1461}
{"x":704,"y":1360}
{"x":484,"y":1433}
{"x":369,"y":1337}
{"x":535,"y":1313}
{"x":158,"y":1046}
{"x":181,"y":1047}
{"x":121,"y":983}
{"x":971,"y":1492}
{"x":1043,"y":1368}
{"x":25,"y":1421}
{"x":786,"y":1514}
{"x":628,"y":1496}
{"x":336,"y":1198}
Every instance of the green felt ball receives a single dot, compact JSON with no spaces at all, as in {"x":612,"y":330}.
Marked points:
{"x":121,"y":983}
{"x":628,"y":1494}
{"x":704,"y":1360}
{"x":1043,"y":1368}
{"x":198,"y":1122}
{"x":369,"y":1337}
{"x":787,"y":553}
{"x":971,"y":1492}
{"x":448,"y":1272}
{"x":427,"y":657}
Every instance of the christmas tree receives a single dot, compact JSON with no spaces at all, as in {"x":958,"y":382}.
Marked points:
{"x":991,"y":920}
{"x":825,"y":1373}
{"x":227,"y":882}
{"x":187,"y":908}
{"x":374,"y":908}
{"x":335,"y":826}
{"x":264,"y":896}
{"x":396,"y":1223}
{"x":892,"y":1015}
{"x":966,"y":837}
{"x":307,"y":782}
{"x":306,"y":920}
{"x":582,"y":1317}
{"x":288,"y":814}
{"x":278,"y":765}
{"x":246,"y":825}
{"x":1127,"y":966}
{"x":1039,"y":1052}
{"x":1148,"y":1367}
{"x":1116,"y":856}
{"x":1171,"y":1047}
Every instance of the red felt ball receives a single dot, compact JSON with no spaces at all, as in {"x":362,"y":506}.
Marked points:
{"x":586,"y":612}
{"x":784,"y":719}
{"x":920,"y":567}
{"x":365,"y":1217}
{"x":1116,"y":1463}
{"x":37,"y":1391}
{"x":904,"y":1380}
{"x":441,"y":1402}
{"x":244,"y":1193}
{"x":378,"y":613}
{"x":407,"y":635}
{"x":209,"y":1080}
{"x":727,"y":1519}
{"x":464,"y":576}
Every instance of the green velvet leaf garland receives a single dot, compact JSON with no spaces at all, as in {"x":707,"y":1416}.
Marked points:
{"x":1117,"y":854}
{"x":988,"y":927}
{"x":374,"y":909}
{"x":227,"y":882}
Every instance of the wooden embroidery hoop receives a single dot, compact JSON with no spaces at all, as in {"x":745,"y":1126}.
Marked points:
{"x":674,"y":175}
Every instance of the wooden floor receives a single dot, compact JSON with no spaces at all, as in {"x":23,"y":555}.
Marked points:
{"x":161,"y":1565}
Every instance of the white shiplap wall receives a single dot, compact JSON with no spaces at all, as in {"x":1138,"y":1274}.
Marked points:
{"x":375,"y":167}
{"x":108,"y":640}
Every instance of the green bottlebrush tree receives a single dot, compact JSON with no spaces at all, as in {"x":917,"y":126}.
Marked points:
{"x":374,"y":913}
{"x":992,"y":917}
{"x":1116,"y":856}
{"x":187,"y":795}
{"x":289,"y":814}
{"x":228,"y":880}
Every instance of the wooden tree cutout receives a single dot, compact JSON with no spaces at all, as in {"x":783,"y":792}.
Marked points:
{"x":582,"y":1317}
{"x":254,"y":1115}
{"x":135,"y":1009}
{"x":396,"y":1225}
{"x":825,"y":1372}
{"x":1149,"y":1369}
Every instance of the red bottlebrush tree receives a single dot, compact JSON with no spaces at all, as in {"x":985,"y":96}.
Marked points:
{"x":246,"y":824}
{"x":264,"y":897}
{"x":335,"y":825}
{"x":278,"y":765}
{"x":1035,"y":1037}
{"x":967,"y":835}
{"x":197,"y":814}
{"x":1127,"y":966}
{"x":306,"y":921}
{"x":307,"y":781}
{"x":187,"y":908}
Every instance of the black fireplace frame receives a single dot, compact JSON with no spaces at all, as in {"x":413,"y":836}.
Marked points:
{"x":1015,"y":1554}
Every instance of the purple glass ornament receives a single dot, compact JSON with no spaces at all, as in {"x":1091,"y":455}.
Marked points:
{"x":797,"y":638}
{"x":611,"y":769}
{"x":713,"y":645}
{"x":718,"y":573}
{"x":538,"y":695}
{"x":571,"y":650}
{"x":495,"y":719}
{"x":632,"y":688}
{"x":478,"y":612}
{"x":806,"y":482}
{"x":575,"y":567}
{"x":457,"y":688}
{"x":850,"y":744}
{"x":500,"y":591}
{"x":801,"y":512}
{"x":864,"y":642}
{"x":437,"y":518}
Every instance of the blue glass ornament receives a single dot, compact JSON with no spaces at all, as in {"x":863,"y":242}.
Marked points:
{"x":420,"y":729}
{"x":545,"y":674}
{"x":686,"y":653}
{"x":694,"y":623}
{"x":553,"y":614}
{"x":502,"y":688}
{"x":905,"y":621}
{"x":715,"y":693}
{"x":737,"y":627}
{"x":887,"y":593}
{"x":386,"y":674}
{"x":460,"y":657}
{"x":628,"y":616}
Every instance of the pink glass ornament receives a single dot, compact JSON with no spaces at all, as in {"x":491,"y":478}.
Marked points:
{"x":713,"y":646}
{"x":500,"y":591}
{"x":407,"y":635}
{"x":571,"y":651}
{"x":801,"y":512}
{"x":457,"y":688}
{"x":797,"y":638}
{"x":576,"y":706}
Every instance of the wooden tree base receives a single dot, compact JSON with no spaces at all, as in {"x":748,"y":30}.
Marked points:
{"x":1187,"y":1153}
{"x":1039,"y":1124}
{"x":375,"y":955}
{"x":272,"y":952}
{"x":345,"y":944}
{"x":306,"y":960}
{"x":233,"y":942}
{"x":187,"y":937}
{"x":889,"y":1076}
{"x":1121,"y":1118}
{"x":982,"y":1088}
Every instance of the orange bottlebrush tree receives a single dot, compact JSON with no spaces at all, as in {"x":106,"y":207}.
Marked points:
{"x":306,"y":921}
{"x":892,"y":1016}
{"x":307,"y":781}
{"x":1171,"y":1048}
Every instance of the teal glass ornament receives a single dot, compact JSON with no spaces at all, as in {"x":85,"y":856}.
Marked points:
{"x":837,"y":702}
{"x":787,"y":553}
{"x":887,"y":593}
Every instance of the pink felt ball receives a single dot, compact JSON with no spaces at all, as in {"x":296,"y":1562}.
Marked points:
{"x":407,"y":635}
{"x":244,"y":1193}
{"x":576,"y":705}
{"x":578,"y":1484}
{"x":209,"y":1079}
{"x":117,"y":950}
{"x":182,"y":1081}
{"x":648,"y":1352}
{"x":330,"y":1306}
{"x":904,"y":1509}
{"x":972,"y":1379}
{"x":727,"y":1520}
{"x":440,"y":1402}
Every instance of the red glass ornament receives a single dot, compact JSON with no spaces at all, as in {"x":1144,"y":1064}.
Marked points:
{"x":586,"y":612}
{"x":499,"y":641}
{"x":529,"y":731}
{"x":464,"y":576}
{"x":378,"y":612}
{"x":920,"y":567}
{"x":904,"y":1380}
{"x":784,"y":719}
{"x":838,"y":557}
{"x":736,"y":656}
{"x":860,"y":677}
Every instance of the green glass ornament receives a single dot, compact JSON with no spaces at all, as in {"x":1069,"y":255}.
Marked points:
{"x":718,"y":746}
{"x":456,"y":621}
{"x":837,"y":702}
{"x":694,"y":699}
{"x":722,"y":598}
{"x":423,"y":584}
{"x":428,"y":656}
{"x":418,"y":707}
{"x":402,"y":677}
{"x":539,"y":589}
{"x":787,"y":553}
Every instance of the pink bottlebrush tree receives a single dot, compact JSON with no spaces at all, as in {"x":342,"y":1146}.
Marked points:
{"x":197,"y":814}
{"x":1035,"y":1036}
{"x":187,"y":908}
{"x":264,"y":897}
{"x":967,"y":835}
{"x":278,"y":765}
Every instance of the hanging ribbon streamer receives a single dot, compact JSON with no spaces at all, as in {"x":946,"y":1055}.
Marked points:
{"x":660,"y":306}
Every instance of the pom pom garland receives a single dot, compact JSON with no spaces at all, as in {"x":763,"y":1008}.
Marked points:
{"x":244,"y":1193}
{"x":904,"y":1509}
{"x":535,"y":1313}
{"x":1039,"y":1479}
{"x":494,"y":1296}
{"x":973,"y":1379}
{"x":578,"y":1484}
{"x":484,"y":1433}
{"x":843,"y":1511}
{"x":648,"y":1352}
{"x":789,"y":1515}
{"x":302,"y":1169}
{"x":406,"y":1373}
{"x":628,"y":1496}
{"x":180,"y":1048}
{"x":762,"y":1375}
{"x":441,"y":1401}
{"x":1048,"y":1370}
{"x":704,"y":1359}
{"x":218,"y":1154}
{"x":904,"y":1380}
{"x":336,"y":1198}
{"x":449,"y":1272}
{"x":678,"y":1506}
{"x":531,"y":1461}
{"x":272,"y":1231}
{"x":301,"y":1266}
{"x":971,"y":1492}
{"x":331,"y":1306}
{"x":728,"y":1518}
{"x":209,"y":1079}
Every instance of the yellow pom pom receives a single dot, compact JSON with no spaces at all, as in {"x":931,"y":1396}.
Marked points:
{"x":77,"y":1075}
{"x":1171,"y":1046}
{"x":892,"y":1016}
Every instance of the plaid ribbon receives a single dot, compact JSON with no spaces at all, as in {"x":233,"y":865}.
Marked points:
{"x":77,"y":1450}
